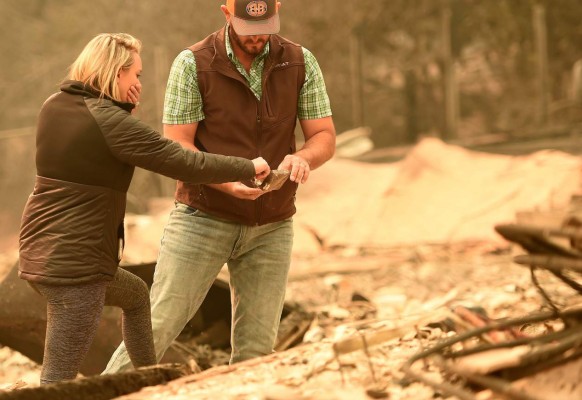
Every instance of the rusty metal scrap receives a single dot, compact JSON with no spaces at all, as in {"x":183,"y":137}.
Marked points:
{"x":545,"y":351}
{"x":273,"y":181}
{"x":504,"y":359}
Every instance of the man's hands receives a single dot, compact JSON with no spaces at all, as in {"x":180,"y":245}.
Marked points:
{"x":299,"y":173}
{"x":298,"y":167}
{"x":242,"y":191}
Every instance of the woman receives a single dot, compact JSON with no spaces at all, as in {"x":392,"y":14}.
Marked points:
{"x":71,"y":236}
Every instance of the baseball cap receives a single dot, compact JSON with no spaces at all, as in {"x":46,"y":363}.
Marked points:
{"x":254,"y":17}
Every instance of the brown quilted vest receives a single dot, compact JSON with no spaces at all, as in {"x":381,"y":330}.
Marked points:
{"x":238,"y":124}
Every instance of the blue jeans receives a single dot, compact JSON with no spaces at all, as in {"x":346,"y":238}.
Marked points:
{"x":193,"y":250}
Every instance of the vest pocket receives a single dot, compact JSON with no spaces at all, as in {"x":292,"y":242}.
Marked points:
{"x":269,"y":124}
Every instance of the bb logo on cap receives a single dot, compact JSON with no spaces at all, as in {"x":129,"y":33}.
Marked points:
{"x":254,"y":17}
{"x":257,"y":8}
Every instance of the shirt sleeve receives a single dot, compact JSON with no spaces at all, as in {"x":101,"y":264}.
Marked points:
{"x":183,"y":102}
{"x":135,"y":143}
{"x":313,"y":99}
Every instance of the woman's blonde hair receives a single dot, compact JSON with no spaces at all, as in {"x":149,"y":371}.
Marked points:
{"x":101,"y":60}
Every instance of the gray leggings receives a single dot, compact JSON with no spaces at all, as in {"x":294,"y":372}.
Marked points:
{"x":73,"y":314}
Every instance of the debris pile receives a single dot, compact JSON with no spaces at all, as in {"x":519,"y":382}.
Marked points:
{"x":392,"y":293}
{"x":538,"y":356}
{"x":437,"y":194}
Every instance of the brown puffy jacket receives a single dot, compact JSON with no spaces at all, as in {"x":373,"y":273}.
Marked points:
{"x":87,"y":148}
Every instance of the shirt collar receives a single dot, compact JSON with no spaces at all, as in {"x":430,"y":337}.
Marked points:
{"x":230,"y":52}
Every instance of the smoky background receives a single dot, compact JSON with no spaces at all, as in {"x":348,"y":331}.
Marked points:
{"x":466,"y":71}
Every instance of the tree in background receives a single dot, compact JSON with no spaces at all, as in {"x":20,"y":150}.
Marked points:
{"x":492,"y":47}
{"x":397,"y":44}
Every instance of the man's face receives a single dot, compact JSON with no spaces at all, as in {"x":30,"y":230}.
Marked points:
{"x":251,"y":45}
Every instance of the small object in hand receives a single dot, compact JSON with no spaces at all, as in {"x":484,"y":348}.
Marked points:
{"x":273,"y":181}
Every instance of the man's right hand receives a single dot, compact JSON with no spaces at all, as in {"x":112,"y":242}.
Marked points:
{"x":242,"y":191}
{"x":239,"y":190}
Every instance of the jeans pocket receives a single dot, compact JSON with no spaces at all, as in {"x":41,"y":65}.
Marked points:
{"x":186,"y":209}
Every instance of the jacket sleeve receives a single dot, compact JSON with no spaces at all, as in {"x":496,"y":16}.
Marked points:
{"x":135,"y":143}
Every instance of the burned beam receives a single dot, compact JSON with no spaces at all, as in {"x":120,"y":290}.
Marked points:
{"x":102,"y":387}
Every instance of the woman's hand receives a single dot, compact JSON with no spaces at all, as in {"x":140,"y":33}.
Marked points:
{"x":262,"y":169}
{"x":242,"y":191}
{"x":133,"y":95}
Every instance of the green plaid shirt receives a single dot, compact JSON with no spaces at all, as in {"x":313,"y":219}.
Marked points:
{"x":183,"y":102}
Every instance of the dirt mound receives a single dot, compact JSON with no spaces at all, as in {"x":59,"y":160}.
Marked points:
{"x":438,"y":193}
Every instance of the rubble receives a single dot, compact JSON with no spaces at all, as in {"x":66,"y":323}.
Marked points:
{"x":392,"y":262}
{"x":23,"y":323}
{"x":495,"y":353}
{"x":102,"y":387}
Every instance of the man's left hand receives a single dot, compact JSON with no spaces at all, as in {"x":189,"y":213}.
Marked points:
{"x":298,"y":167}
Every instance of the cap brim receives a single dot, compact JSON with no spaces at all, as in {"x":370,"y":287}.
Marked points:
{"x":245,"y":27}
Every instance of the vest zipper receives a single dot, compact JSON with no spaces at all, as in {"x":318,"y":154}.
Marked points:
{"x":259,"y":201}
{"x":265,"y":100}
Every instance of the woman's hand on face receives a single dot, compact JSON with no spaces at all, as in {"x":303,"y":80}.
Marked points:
{"x":262,"y":169}
{"x":133,"y":94}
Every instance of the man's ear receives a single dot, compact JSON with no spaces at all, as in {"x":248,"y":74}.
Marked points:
{"x":225,"y":11}
{"x":278,"y":6}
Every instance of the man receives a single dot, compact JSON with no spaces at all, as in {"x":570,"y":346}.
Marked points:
{"x":237,"y":92}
